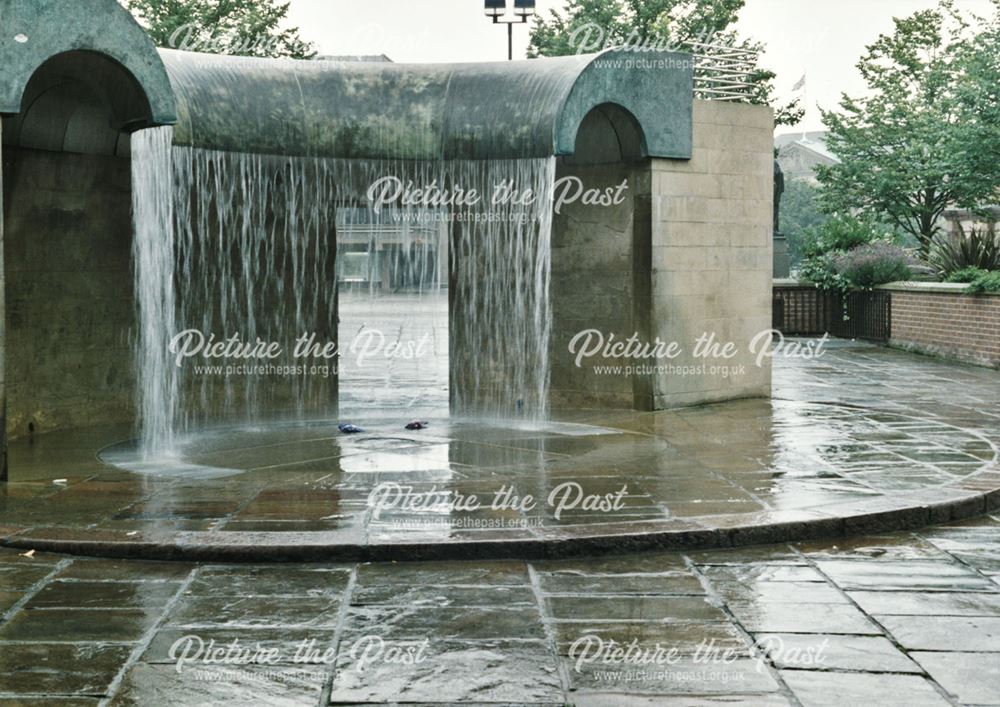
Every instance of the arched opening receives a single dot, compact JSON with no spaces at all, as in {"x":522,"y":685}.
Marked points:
{"x":67,"y":245}
{"x":609,"y":134}
{"x":601,"y":260}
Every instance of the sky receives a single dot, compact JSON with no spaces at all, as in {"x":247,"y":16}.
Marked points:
{"x":820,"y":39}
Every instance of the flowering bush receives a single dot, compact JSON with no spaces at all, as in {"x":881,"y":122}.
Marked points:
{"x":874,"y":264}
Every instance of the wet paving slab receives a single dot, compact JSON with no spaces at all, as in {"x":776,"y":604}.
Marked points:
{"x":863,"y":440}
{"x":892,"y":619}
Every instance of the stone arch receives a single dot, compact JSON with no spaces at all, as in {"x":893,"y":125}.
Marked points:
{"x":38,"y":31}
{"x":601,"y":258}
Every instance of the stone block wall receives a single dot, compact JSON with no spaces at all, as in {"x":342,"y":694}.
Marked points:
{"x":712,"y":222}
{"x":70,"y":311}
{"x":600,"y":276}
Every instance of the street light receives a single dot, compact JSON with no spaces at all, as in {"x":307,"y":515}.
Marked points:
{"x":523,"y":9}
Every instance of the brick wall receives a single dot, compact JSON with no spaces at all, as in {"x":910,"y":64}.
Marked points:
{"x":941,"y":320}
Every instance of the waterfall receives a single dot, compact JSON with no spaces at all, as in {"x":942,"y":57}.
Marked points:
{"x":255,"y":258}
{"x":250,"y":244}
{"x":154,"y":259}
{"x":502,"y":318}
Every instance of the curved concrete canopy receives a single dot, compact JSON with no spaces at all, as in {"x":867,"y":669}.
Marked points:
{"x":425,"y":111}
{"x":35,"y":31}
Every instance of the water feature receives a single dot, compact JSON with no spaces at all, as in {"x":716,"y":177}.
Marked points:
{"x":153,"y":257}
{"x":240,"y":245}
{"x":502,"y":320}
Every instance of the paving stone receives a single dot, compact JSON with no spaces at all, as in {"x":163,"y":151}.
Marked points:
{"x":686,"y":638}
{"x":16,"y":576}
{"x":50,"y":700}
{"x":681,"y":677}
{"x":929,"y":603}
{"x":644,"y":563}
{"x":269,"y":580}
{"x":255,"y":611}
{"x":443,"y":573}
{"x":884,"y":547}
{"x":633,"y":608}
{"x":286,"y":644}
{"x":972,"y":678}
{"x":827,"y":689}
{"x":442,"y":624}
{"x":126,"y":570}
{"x":944,"y":633}
{"x":275,"y":686}
{"x":978,"y":546}
{"x":444,"y":596}
{"x":804,"y":651}
{"x":77,"y":625}
{"x":595,"y":699}
{"x":108,"y":595}
{"x":60,"y":668}
{"x":767,"y":554}
{"x":916,"y":574}
{"x":648,"y":584}
{"x":783,"y":592}
{"x":803,"y":618}
{"x":751,"y":574}
{"x":8,"y":599}
{"x":10,"y":556}
{"x":449,"y":672}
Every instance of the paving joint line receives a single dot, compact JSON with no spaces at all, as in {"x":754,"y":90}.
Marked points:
{"x":748,"y":637}
{"x":551,"y":639}
{"x":886,"y":633}
{"x":34,"y":589}
{"x":326,"y":692}
{"x":112,"y":690}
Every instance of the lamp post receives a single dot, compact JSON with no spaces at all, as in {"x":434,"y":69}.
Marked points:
{"x":523,"y":9}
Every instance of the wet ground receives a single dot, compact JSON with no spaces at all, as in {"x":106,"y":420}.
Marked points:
{"x":852,"y":441}
{"x":904,"y":619}
{"x":891,"y":619}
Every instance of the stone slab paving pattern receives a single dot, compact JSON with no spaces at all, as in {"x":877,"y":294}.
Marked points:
{"x":900,"y":619}
{"x":862,"y":439}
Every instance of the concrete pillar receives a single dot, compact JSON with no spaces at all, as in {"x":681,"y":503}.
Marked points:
{"x":713,"y":222}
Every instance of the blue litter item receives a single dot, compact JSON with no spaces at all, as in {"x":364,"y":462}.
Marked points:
{"x":349,"y":429}
{"x":417,"y":425}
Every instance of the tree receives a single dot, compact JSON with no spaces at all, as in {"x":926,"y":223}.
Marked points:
{"x":591,"y":25}
{"x":242,"y":27}
{"x":924,"y":137}
{"x":799,"y":213}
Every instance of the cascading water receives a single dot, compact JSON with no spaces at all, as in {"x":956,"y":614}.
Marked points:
{"x":255,"y":257}
{"x":250,"y":244}
{"x":502,"y":316}
{"x":154,"y":258}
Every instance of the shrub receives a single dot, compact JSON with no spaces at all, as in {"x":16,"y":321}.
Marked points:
{"x":987,"y":282}
{"x":979,"y":248}
{"x":838,"y":233}
{"x":821,"y":270}
{"x":964,"y":275}
{"x":874,"y":264}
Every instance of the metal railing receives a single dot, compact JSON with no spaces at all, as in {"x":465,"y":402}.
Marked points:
{"x":808,"y":311}
{"x":723,"y":72}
